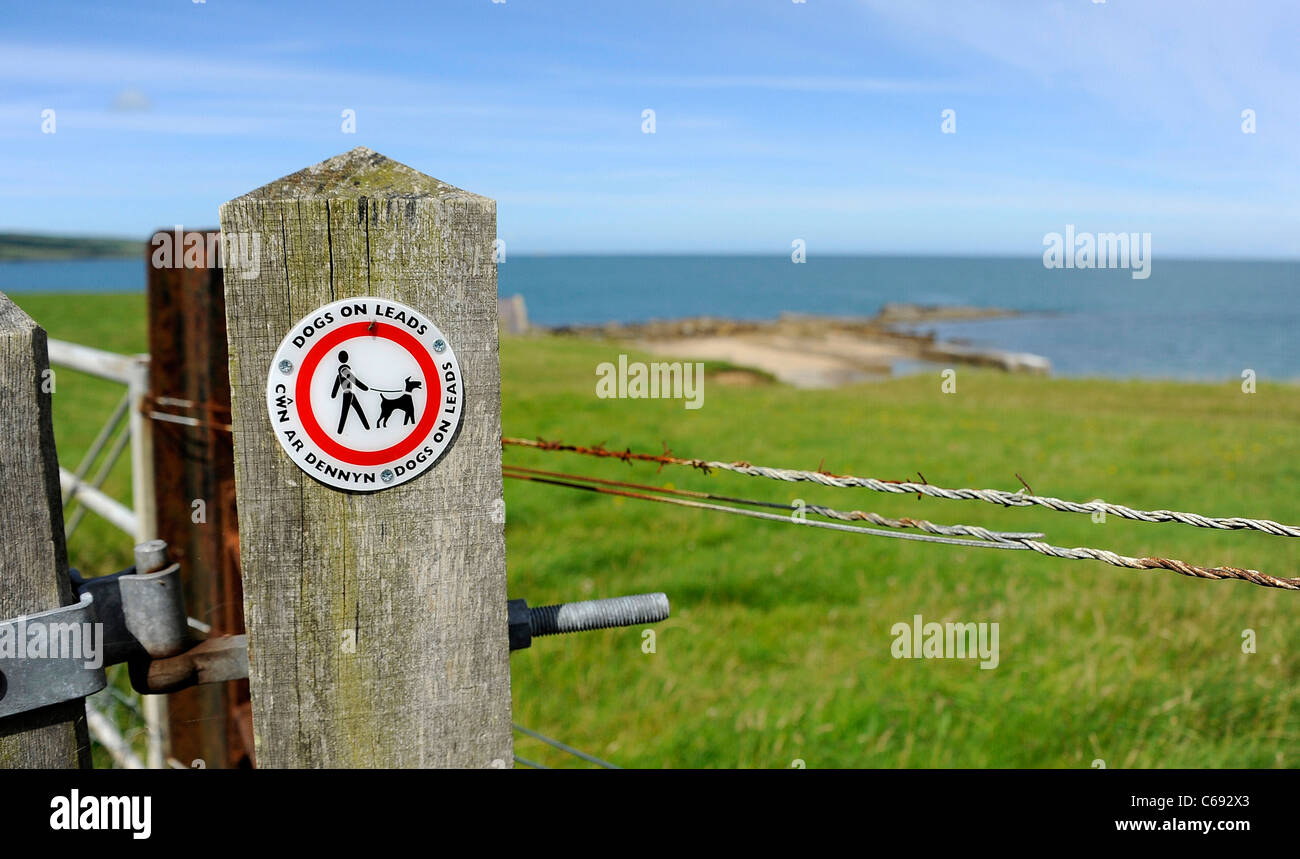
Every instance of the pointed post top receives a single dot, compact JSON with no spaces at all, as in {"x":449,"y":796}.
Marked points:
{"x":359,"y":172}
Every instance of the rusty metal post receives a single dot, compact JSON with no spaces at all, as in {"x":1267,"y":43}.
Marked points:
{"x":189,"y":408}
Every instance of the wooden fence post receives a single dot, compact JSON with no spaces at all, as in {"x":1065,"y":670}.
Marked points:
{"x":193,"y":463}
{"x":377,"y":622}
{"x":34,"y":563}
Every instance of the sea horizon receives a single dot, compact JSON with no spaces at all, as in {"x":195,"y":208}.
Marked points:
{"x":1192,"y":318}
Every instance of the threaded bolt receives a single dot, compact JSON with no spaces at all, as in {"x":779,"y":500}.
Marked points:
{"x":598,"y":614}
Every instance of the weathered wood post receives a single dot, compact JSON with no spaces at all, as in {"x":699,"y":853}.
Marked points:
{"x":34,"y":563}
{"x":376,"y":615}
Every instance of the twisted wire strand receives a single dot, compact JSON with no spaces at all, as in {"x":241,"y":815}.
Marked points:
{"x":992,"y":496}
{"x":1173,"y":564}
{"x":921,"y":524}
{"x":773,"y":517}
{"x":992,"y":541}
{"x":817,"y":509}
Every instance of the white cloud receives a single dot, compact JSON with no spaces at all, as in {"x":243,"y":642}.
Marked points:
{"x":129,"y":100}
{"x":1155,"y":57}
{"x":799,"y":83}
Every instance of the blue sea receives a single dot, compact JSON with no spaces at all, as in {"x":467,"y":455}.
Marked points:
{"x":1190,"y":319}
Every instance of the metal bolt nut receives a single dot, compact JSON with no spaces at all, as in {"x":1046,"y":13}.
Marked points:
{"x":286,"y":366}
{"x":386,"y":475}
{"x":439,"y":346}
{"x":521,"y":624}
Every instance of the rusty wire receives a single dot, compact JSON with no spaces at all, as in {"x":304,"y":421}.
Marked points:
{"x":1173,"y":564}
{"x":1025,"y":541}
{"x":993,"y":496}
{"x":771,"y":517}
{"x":817,"y":509}
{"x":215,"y":415}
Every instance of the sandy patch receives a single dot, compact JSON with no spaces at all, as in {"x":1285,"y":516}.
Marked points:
{"x":804,"y":362}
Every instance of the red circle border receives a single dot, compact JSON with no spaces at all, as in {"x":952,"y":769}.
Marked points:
{"x":302,"y":393}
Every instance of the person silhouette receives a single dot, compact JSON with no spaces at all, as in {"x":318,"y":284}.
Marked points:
{"x":346,"y":382}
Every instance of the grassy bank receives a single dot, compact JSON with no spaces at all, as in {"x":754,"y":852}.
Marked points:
{"x":779,"y":644}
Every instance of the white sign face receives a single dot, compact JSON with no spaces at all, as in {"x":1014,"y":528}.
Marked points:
{"x":364,"y":394}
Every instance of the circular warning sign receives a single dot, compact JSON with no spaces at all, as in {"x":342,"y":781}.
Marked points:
{"x":364,"y":394}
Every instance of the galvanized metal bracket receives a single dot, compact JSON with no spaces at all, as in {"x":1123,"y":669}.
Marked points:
{"x":46,"y":658}
{"x":140,"y":619}
{"x":143,"y":613}
{"x":132,"y":617}
{"x":153,"y":608}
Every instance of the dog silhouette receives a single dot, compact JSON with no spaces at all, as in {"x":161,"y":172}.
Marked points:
{"x":403,"y":403}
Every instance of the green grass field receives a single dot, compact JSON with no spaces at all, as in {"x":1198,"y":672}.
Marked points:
{"x":779,"y":645}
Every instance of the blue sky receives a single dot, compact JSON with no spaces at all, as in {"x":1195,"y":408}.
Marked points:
{"x":775,"y":120}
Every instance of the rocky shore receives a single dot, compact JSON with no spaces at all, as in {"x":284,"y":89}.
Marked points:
{"x":818,"y":351}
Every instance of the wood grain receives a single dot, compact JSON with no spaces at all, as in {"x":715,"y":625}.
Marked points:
{"x":34,"y":563}
{"x":415,"y":573}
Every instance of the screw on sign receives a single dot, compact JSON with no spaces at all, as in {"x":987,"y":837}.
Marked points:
{"x":364,"y":394}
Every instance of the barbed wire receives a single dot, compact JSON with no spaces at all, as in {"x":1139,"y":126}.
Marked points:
{"x":772,"y":517}
{"x":817,"y":509}
{"x":986,"y":538}
{"x":901,"y":487}
{"x":1173,"y":564}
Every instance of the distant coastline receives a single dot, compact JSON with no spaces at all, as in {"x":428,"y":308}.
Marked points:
{"x":1192,"y":319}
{"x":33,"y":247}
{"x":811,"y":351}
